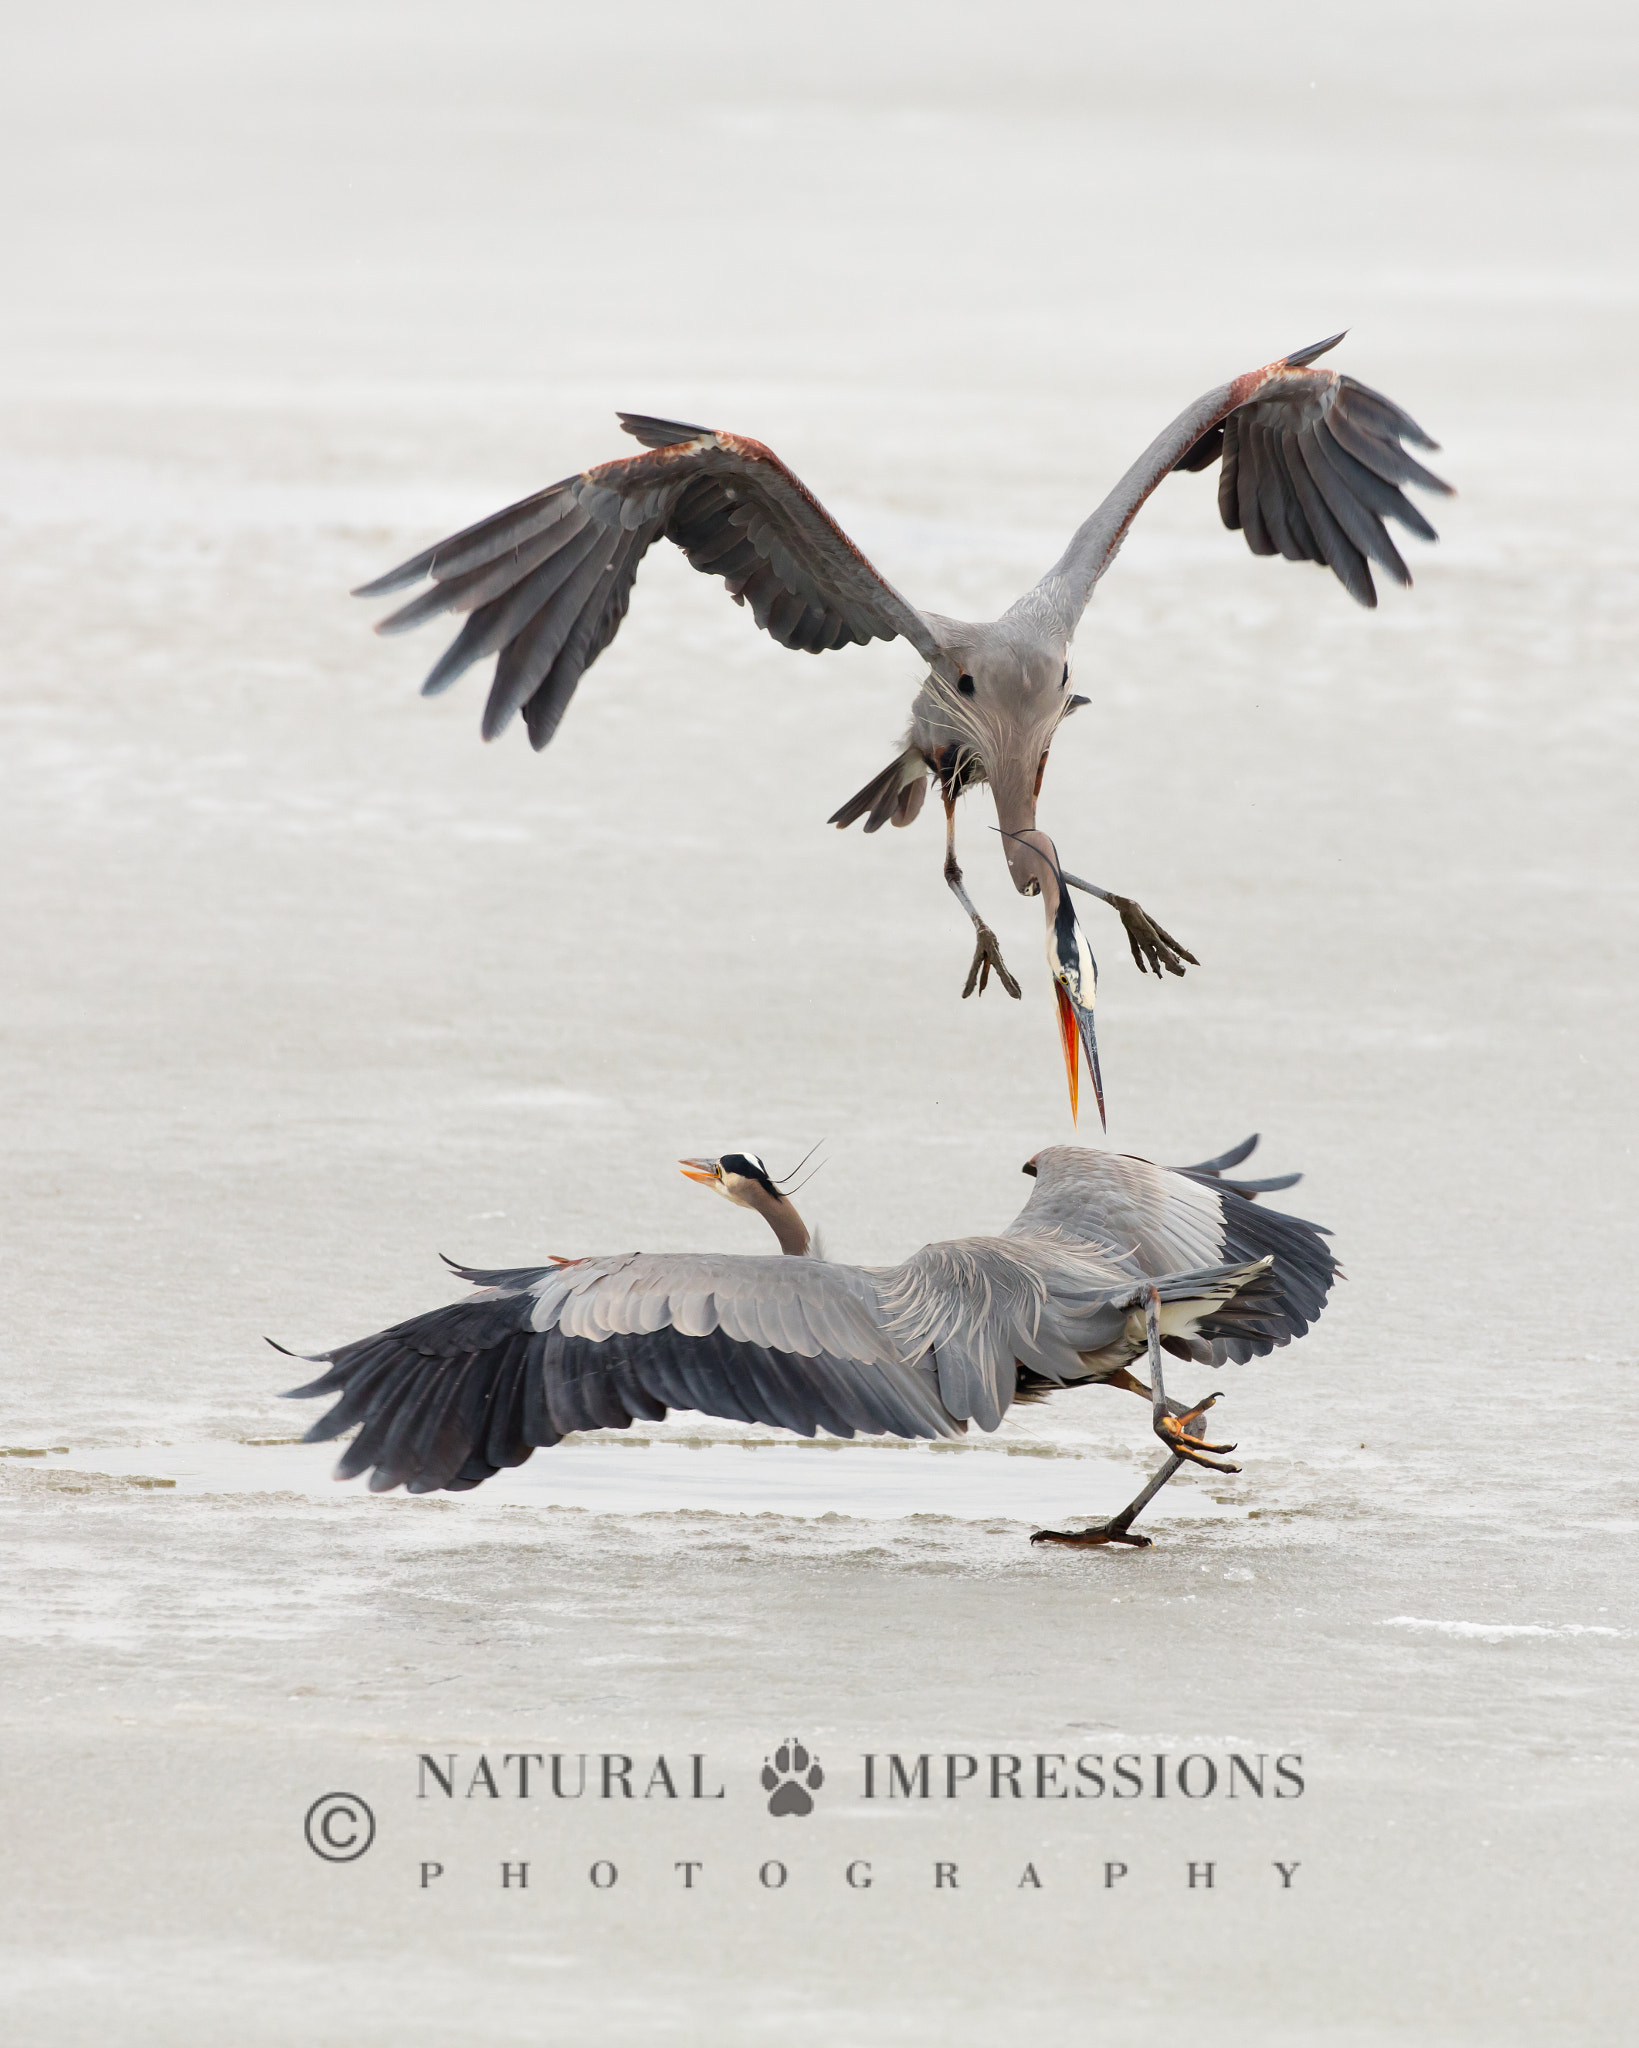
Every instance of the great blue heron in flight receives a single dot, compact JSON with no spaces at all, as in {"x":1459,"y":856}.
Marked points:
{"x":1111,"y":1258}
{"x":1311,"y":465}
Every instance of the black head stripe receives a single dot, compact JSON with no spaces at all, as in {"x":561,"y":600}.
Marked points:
{"x":748,"y":1169}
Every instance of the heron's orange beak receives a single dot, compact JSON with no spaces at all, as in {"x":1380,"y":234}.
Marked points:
{"x":1070,"y":1041}
{"x":702,"y":1170}
{"x":1075,"y":985}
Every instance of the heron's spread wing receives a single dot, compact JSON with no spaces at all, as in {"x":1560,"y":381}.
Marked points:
{"x":449,"y":1398}
{"x":545,"y":583}
{"x":1312,"y":465}
{"x":1168,"y":1221}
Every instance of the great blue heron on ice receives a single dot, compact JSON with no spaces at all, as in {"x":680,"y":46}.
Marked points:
{"x":1110,"y":1259}
{"x":1312,"y":464}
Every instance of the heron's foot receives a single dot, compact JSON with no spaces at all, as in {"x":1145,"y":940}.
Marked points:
{"x":1154,"y":949}
{"x":987,"y":953}
{"x":1175,"y":1432}
{"x":1101,"y":1534}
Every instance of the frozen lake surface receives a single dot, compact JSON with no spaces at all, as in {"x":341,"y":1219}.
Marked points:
{"x":758,"y":1476}
{"x":304,"y":985}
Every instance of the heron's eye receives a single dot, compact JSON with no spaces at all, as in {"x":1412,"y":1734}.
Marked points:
{"x":965,"y":685}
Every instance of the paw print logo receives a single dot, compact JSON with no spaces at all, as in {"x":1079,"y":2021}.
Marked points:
{"x":790,"y":1778}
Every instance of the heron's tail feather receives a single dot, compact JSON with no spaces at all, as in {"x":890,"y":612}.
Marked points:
{"x":896,"y":793}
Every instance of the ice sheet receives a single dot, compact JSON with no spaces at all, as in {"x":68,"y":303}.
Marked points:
{"x":646,"y":1475}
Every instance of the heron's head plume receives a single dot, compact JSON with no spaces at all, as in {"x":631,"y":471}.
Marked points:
{"x":748,"y":1184}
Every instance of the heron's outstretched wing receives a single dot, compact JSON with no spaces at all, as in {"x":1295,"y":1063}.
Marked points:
{"x":449,"y":1398}
{"x":1312,"y":464}
{"x":917,"y":1350}
{"x":545,"y":583}
{"x":1167,"y":1221}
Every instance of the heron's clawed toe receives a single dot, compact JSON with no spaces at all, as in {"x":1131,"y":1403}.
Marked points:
{"x":1174,"y":1433}
{"x":987,"y":954}
{"x":1154,"y":949}
{"x":1099,"y":1535}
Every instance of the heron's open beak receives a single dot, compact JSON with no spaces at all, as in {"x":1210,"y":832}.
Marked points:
{"x":1075,"y":985}
{"x":702,"y":1170}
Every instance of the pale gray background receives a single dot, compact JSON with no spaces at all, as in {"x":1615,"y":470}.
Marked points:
{"x":302,"y":984}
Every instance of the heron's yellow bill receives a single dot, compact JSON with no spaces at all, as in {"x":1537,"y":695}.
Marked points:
{"x":702,"y":1170}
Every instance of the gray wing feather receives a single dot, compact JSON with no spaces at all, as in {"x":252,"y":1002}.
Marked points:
{"x":487,"y":541}
{"x":494,"y":625}
{"x":1357,"y":516}
{"x":526,"y":661}
{"x":1216,"y":1170}
{"x":1274,"y":491}
{"x":1292,"y":1295}
{"x":1233,"y":1157}
{"x":1310,"y":464}
{"x":807,"y":1306}
{"x":1253,"y":467}
{"x":728,"y":502}
{"x":596,"y":626}
{"x":1166,"y":1222}
{"x":489,"y":580}
{"x":981,"y":1305}
{"x":1229,"y":449}
{"x":919,"y":1350}
{"x":1368,"y":488}
{"x":448,"y":1398}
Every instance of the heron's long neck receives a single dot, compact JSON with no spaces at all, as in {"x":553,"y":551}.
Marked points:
{"x":1033,"y":868}
{"x":782,"y":1218}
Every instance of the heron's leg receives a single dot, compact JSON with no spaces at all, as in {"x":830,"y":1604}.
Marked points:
{"x":1171,"y":1426}
{"x":1118,"y":1528}
{"x":1127,"y":1383}
{"x":1153,"y":947}
{"x":987,"y":952}
{"x":1175,"y":1409}
{"x":1170,"y":1423}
